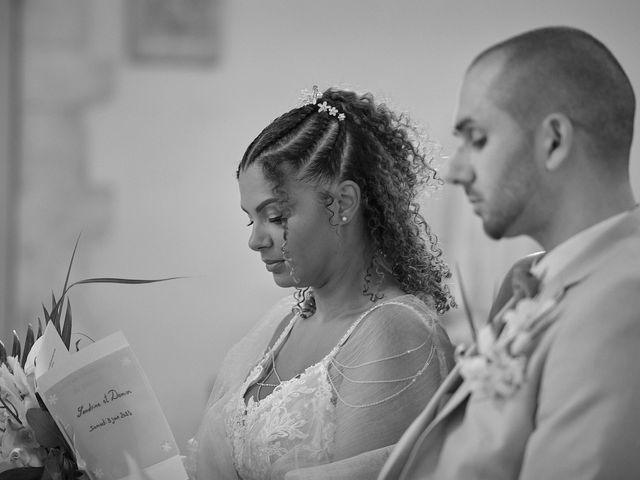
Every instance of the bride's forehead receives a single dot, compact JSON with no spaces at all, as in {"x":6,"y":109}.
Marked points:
{"x":255,"y":189}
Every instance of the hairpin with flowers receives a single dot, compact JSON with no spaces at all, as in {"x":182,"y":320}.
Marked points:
{"x":311,"y":97}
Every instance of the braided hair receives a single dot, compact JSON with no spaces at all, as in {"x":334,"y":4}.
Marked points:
{"x":380,"y":151}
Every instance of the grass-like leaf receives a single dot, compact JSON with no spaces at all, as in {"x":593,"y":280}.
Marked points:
{"x":45,"y":429}
{"x":129,"y":281}
{"x":73,"y":255}
{"x":467,"y":308}
{"x":55,"y":312}
{"x":54,"y":315}
{"x":28,"y":343}
{"x":66,"y":329}
{"x":3,"y":353}
{"x":22,"y":473}
{"x":15,"y":348}
{"x":39,"y":334}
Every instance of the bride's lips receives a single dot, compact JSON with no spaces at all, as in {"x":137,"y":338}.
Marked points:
{"x":273,"y":265}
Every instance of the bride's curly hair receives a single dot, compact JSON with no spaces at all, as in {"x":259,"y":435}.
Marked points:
{"x":379,"y":150}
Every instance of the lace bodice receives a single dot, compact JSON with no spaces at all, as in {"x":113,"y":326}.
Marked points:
{"x":306,"y":420}
{"x":299,"y":414}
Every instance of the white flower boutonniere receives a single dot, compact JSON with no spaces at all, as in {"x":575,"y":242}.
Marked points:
{"x":496,"y":366}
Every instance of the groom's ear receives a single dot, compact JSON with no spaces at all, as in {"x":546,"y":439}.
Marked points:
{"x":557,"y":140}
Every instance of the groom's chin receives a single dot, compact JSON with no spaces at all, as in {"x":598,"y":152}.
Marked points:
{"x":492,"y":233}
{"x":495,"y":230}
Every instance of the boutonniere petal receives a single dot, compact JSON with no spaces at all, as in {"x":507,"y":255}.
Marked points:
{"x":524,"y":283}
{"x":497,"y":366}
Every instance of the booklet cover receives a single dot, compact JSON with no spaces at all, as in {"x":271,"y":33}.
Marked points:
{"x":104,"y":404}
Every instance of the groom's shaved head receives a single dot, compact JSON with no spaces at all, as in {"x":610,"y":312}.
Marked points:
{"x":565,"y":70}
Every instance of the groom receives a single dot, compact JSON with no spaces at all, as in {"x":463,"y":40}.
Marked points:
{"x":552,"y":389}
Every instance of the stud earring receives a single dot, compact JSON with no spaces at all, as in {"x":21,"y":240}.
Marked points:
{"x":343,"y":218}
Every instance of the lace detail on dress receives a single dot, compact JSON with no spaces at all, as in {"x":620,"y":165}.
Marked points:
{"x":298,"y":414}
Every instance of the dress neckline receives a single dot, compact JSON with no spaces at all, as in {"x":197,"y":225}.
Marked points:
{"x":257,"y":371}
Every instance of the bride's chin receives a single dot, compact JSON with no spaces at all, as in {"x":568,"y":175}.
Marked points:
{"x":284,"y":281}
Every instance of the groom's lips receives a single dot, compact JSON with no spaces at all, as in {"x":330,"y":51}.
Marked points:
{"x":475,"y":202}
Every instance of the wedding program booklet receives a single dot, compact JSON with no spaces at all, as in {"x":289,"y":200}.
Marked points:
{"x":103,"y":403}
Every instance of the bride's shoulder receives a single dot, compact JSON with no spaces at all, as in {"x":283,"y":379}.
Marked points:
{"x":404,"y":309}
{"x":401,"y":317}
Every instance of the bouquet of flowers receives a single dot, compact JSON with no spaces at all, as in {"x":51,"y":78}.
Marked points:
{"x":31,"y":444}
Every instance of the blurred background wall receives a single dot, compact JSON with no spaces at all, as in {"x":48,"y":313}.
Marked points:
{"x":132,"y":116}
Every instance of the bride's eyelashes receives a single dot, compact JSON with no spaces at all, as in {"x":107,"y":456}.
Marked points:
{"x":277,"y":220}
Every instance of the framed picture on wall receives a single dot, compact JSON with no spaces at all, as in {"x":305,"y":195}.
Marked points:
{"x":173,"y":31}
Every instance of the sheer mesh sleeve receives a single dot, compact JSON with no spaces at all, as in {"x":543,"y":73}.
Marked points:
{"x":383,"y":375}
{"x":209,"y":453}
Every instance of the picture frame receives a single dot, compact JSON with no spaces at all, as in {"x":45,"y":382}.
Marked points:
{"x":173,"y":31}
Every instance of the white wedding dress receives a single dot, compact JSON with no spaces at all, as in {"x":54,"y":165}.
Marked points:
{"x":360,"y":397}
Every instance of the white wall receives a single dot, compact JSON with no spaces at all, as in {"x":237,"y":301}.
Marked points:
{"x":167,"y":141}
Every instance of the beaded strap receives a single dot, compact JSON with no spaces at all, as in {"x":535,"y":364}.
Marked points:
{"x":393,"y":395}
{"x":410,"y":379}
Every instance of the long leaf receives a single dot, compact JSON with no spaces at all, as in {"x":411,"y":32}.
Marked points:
{"x":44,"y":428}
{"x":28,"y":343}
{"x":3,"y":353}
{"x":66,"y":280}
{"x":15,"y":348}
{"x":39,"y":334}
{"x":115,"y":280}
{"x":129,"y":281}
{"x":467,"y":308}
{"x":55,"y":312}
{"x":22,"y":473}
{"x":66,"y":328}
{"x":55,"y":304}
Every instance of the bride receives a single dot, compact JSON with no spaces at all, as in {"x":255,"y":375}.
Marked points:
{"x":344,"y":366}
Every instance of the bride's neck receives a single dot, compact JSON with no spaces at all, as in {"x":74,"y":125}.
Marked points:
{"x":344,"y":294}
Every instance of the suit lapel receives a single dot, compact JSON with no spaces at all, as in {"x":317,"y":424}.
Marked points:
{"x":597,"y":251}
{"x":435,"y":412}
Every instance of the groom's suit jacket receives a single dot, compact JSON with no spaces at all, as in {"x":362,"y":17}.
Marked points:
{"x":577,"y":415}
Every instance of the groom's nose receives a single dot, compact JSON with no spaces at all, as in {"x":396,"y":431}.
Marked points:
{"x":458,"y":170}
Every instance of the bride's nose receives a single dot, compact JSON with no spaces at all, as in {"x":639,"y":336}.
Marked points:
{"x":259,"y":238}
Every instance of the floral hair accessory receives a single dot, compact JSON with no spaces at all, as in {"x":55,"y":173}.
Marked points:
{"x":333,"y":111}
{"x":311,"y":97}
